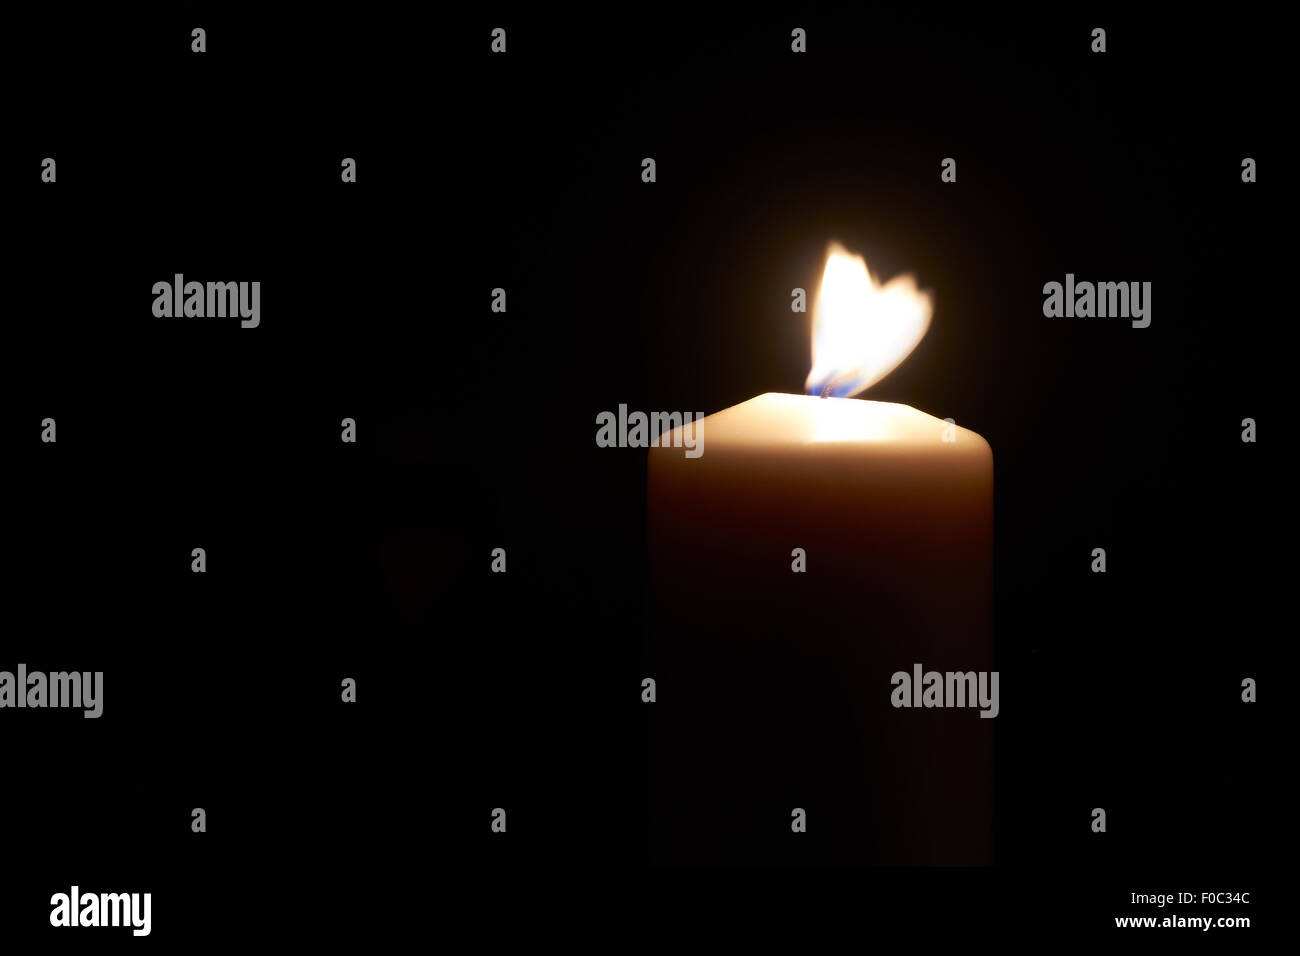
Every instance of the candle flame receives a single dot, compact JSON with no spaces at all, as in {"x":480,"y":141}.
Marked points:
{"x":861,"y":331}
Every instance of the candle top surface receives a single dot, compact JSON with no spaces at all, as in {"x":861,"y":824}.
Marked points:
{"x":782,"y":419}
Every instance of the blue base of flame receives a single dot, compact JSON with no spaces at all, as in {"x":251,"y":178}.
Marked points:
{"x":842,"y":386}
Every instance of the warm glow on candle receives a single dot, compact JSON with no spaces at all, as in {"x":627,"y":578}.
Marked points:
{"x":862,"y":331}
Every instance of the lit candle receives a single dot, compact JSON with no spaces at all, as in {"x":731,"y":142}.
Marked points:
{"x":818,"y":547}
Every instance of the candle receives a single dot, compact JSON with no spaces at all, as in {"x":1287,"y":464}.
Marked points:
{"x":818,"y":548}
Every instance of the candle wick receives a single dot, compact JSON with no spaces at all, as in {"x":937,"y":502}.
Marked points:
{"x":827,"y":390}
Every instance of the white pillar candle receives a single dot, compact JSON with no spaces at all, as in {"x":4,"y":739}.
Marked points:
{"x":814,"y":549}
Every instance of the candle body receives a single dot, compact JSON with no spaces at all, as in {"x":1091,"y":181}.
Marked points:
{"x":775,"y":685}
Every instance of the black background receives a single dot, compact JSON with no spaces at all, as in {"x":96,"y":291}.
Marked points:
{"x":328,"y":821}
